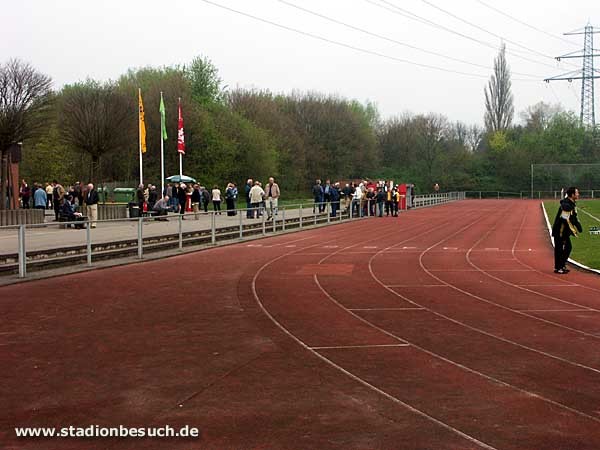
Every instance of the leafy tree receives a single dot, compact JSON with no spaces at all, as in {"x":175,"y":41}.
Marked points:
{"x":203,"y":76}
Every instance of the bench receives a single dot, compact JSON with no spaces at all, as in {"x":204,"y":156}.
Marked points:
{"x":81,"y":221}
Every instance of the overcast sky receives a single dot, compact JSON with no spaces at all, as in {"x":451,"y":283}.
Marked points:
{"x":73,"y":40}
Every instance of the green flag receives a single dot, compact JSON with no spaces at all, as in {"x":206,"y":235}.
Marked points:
{"x":163,"y":125}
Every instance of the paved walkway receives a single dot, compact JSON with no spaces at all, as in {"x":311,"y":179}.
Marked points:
{"x":51,"y":235}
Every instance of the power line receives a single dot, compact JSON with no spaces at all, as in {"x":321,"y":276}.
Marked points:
{"x":351,"y":47}
{"x":405,"y":13}
{"x":341,"y":44}
{"x":526,"y":24}
{"x":484,"y":30}
{"x":379,"y":36}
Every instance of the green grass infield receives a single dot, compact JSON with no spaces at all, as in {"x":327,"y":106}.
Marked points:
{"x":586,"y":247}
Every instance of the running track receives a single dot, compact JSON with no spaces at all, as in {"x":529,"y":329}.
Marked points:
{"x":443,"y":329}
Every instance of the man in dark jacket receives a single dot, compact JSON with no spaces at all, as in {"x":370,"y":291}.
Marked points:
{"x":249,"y":210}
{"x":565,"y":225}
{"x":317,"y":191}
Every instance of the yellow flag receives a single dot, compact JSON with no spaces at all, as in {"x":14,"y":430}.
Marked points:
{"x":142,"y":125}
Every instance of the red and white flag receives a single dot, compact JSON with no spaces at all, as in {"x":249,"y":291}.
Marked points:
{"x":180,"y":134}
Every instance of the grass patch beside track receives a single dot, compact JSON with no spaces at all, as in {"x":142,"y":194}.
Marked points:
{"x":586,"y":247}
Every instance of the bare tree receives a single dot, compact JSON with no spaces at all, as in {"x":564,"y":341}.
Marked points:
{"x":431,"y":132}
{"x":25,"y":96}
{"x":94,"y":120}
{"x":537,"y":117}
{"x":474,"y":137}
{"x":499,"y":108}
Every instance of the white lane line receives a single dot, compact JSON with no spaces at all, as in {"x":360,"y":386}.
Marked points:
{"x":350,"y":374}
{"x":585,"y":212}
{"x":490,"y":249}
{"x":254,"y":245}
{"x":449,"y":248}
{"x":290,"y":246}
{"x":486,"y":333}
{"x":386,"y":309}
{"x":556,"y":310}
{"x":358,"y":346}
{"x":415,"y":285}
{"x":547,"y":285}
{"x":370,"y":246}
{"x":330,"y":246}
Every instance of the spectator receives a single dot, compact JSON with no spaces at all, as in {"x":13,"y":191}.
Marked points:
{"x":175,"y":198}
{"x":67,"y":210}
{"x":162,"y":207}
{"x":247,"y":189}
{"x":565,"y":225}
{"x":182,"y":198}
{"x":256,"y":197}
{"x":272,"y":194}
{"x":48,"y":195}
{"x":216,"y":199}
{"x":371,"y":198}
{"x":152,"y":197}
{"x":347,"y":194}
{"x":40,"y":199}
{"x":436,"y":188}
{"x":196,"y":201}
{"x":317,"y":191}
{"x":326,"y":196}
{"x":78,"y":192}
{"x":379,"y":198}
{"x":231,"y":194}
{"x":25,"y":194}
{"x":58,"y":194}
{"x":334,"y":197}
{"x":91,"y":200}
{"x":356,"y":199}
{"x":140,"y":196}
{"x":205,"y":198}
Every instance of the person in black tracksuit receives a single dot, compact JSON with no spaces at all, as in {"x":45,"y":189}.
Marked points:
{"x":565,"y":225}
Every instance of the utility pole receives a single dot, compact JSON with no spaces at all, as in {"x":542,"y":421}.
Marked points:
{"x":587,"y":74}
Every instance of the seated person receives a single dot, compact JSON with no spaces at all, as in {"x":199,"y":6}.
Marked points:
{"x":67,"y":210}
{"x":162,"y":206}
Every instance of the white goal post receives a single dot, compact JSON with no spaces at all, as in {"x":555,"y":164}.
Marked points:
{"x":548,"y":180}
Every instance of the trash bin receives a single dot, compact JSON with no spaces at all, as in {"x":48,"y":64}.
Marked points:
{"x":134,"y":210}
{"x":102,"y":194}
{"x":124,"y":195}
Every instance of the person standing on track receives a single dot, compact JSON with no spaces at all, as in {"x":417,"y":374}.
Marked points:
{"x":565,"y":225}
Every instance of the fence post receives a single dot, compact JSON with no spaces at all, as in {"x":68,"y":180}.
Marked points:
{"x":315,"y":214}
{"x":241,"y":225}
{"x":180,"y":224}
{"x":300,"y":215}
{"x":264,"y":229}
{"x":88,"y":241}
{"x":140,"y":242}
{"x":283,"y":218}
{"x":479,"y":195}
{"x":213,"y":231}
{"x":498,"y":195}
{"x":328,"y":212}
{"x":22,"y":253}
{"x":273,"y":218}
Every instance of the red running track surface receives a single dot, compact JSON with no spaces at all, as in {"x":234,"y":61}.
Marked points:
{"x":444,"y":328}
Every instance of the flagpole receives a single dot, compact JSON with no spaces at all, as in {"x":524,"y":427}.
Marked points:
{"x":140,"y":137}
{"x":162,"y":154}
{"x":180,"y":154}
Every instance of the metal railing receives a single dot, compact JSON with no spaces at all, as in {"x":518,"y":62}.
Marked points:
{"x":117,"y":238}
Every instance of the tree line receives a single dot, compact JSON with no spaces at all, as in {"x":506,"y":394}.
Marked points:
{"x":89,"y":131}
